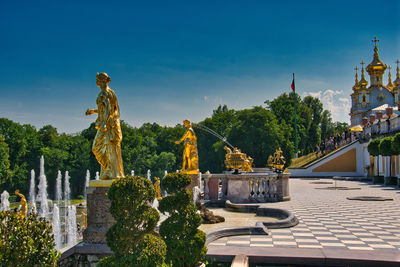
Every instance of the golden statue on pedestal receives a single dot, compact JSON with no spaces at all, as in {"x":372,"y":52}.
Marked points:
{"x":107,"y":143}
{"x":237,"y":160}
{"x":190,"y":163}
{"x":158,"y":188}
{"x":23,"y":203}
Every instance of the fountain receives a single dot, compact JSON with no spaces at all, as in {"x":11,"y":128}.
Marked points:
{"x":97,"y":177}
{"x":32,"y":201}
{"x":149,"y":175}
{"x":58,"y":187}
{"x":56,"y":227}
{"x":86,"y":183}
{"x":5,"y":204}
{"x":67,"y":189}
{"x":42,"y":195}
{"x":132,"y":173}
{"x":201,"y":183}
{"x":71,"y":226}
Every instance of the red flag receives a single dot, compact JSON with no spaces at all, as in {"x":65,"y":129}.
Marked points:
{"x":292,"y":86}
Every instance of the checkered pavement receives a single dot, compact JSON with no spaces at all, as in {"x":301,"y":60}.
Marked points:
{"x":328,"y":220}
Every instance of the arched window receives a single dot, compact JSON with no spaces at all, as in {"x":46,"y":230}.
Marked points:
{"x":364,"y":99}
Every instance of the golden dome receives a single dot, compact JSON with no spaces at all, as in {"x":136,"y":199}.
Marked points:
{"x":376,"y":66}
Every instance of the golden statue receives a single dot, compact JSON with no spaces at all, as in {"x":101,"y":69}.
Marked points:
{"x":84,"y":219}
{"x":278,"y":160}
{"x":107,"y":143}
{"x":24,"y":205}
{"x":190,"y":155}
{"x":158,"y":188}
{"x":237,"y":160}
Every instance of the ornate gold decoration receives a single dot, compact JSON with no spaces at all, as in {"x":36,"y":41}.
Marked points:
{"x":23,"y":203}
{"x":278,"y":160}
{"x":363,"y":82}
{"x":270,"y":161}
{"x":237,"y":160}
{"x":190,"y":163}
{"x":356,"y":85}
{"x":158,"y":188}
{"x":390,"y":84}
{"x":397,"y":81}
{"x":107,"y":143}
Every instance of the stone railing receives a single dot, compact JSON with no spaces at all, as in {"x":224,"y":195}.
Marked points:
{"x":247,"y":187}
{"x":381,"y":127}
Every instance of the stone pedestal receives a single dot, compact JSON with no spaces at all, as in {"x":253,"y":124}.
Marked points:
{"x":238,"y":189}
{"x":99,"y":218}
{"x":195,"y":181}
{"x":283,"y":186}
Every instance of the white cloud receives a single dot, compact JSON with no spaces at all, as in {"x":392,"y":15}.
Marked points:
{"x":335,"y":101}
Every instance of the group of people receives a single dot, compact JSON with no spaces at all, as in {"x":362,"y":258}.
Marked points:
{"x":333,"y":143}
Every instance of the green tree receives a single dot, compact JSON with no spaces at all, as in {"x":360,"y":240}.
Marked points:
{"x":26,"y":241}
{"x":132,"y":237}
{"x":185,"y":243}
{"x":4,"y":161}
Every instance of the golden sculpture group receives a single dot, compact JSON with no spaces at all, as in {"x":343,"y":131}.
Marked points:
{"x":277,"y":161}
{"x":107,"y":143}
{"x":190,"y":163}
{"x":237,"y":160}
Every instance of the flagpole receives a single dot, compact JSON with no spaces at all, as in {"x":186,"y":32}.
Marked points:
{"x":295,"y":121}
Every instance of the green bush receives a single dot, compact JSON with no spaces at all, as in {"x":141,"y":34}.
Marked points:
{"x":132,"y":237}
{"x":385,"y":146}
{"x":26,"y":241}
{"x":185,"y":243}
{"x":373,"y":147}
{"x":396,"y":144}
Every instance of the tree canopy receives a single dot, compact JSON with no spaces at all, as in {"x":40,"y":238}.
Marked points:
{"x":257,"y":131}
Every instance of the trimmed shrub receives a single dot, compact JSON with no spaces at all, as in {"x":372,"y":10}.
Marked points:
{"x":185,"y":243}
{"x":373,"y":147}
{"x":396,"y":144}
{"x":26,"y":241}
{"x":132,"y":237}
{"x":385,"y":146}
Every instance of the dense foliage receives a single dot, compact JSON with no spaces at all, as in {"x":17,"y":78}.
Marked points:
{"x":257,"y":131}
{"x":26,"y":241}
{"x":373,"y":147}
{"x":396,"y":144}
{"x":185,"y":243}
{"x":385,"y":146}
{"x":132,"y":237}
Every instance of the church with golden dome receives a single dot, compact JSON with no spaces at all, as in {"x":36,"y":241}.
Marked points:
{"x":374,"y":98}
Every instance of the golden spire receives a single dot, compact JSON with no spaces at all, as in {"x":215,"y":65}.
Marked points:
{"x":376,"y":66}
{"x":363,"y":82}
{"x":356,"y":85}
{"x":397,"y":81}
{"x":390,"y":84}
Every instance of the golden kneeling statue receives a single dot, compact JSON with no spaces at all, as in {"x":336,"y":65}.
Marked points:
{"x":107,"y":143}
{"x":190,"y":155}
{"x":23,"y":203}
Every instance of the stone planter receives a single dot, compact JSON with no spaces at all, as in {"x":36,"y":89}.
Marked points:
{"x":378,"y":179}
{"x":390,"y":180}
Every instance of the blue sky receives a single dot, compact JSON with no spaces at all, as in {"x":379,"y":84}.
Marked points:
{"x":171,"y":60}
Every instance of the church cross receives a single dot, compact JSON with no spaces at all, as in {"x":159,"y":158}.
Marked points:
{"x":362,"y":63}
{"x":356,"y":68}
{"x":375,"y":41}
